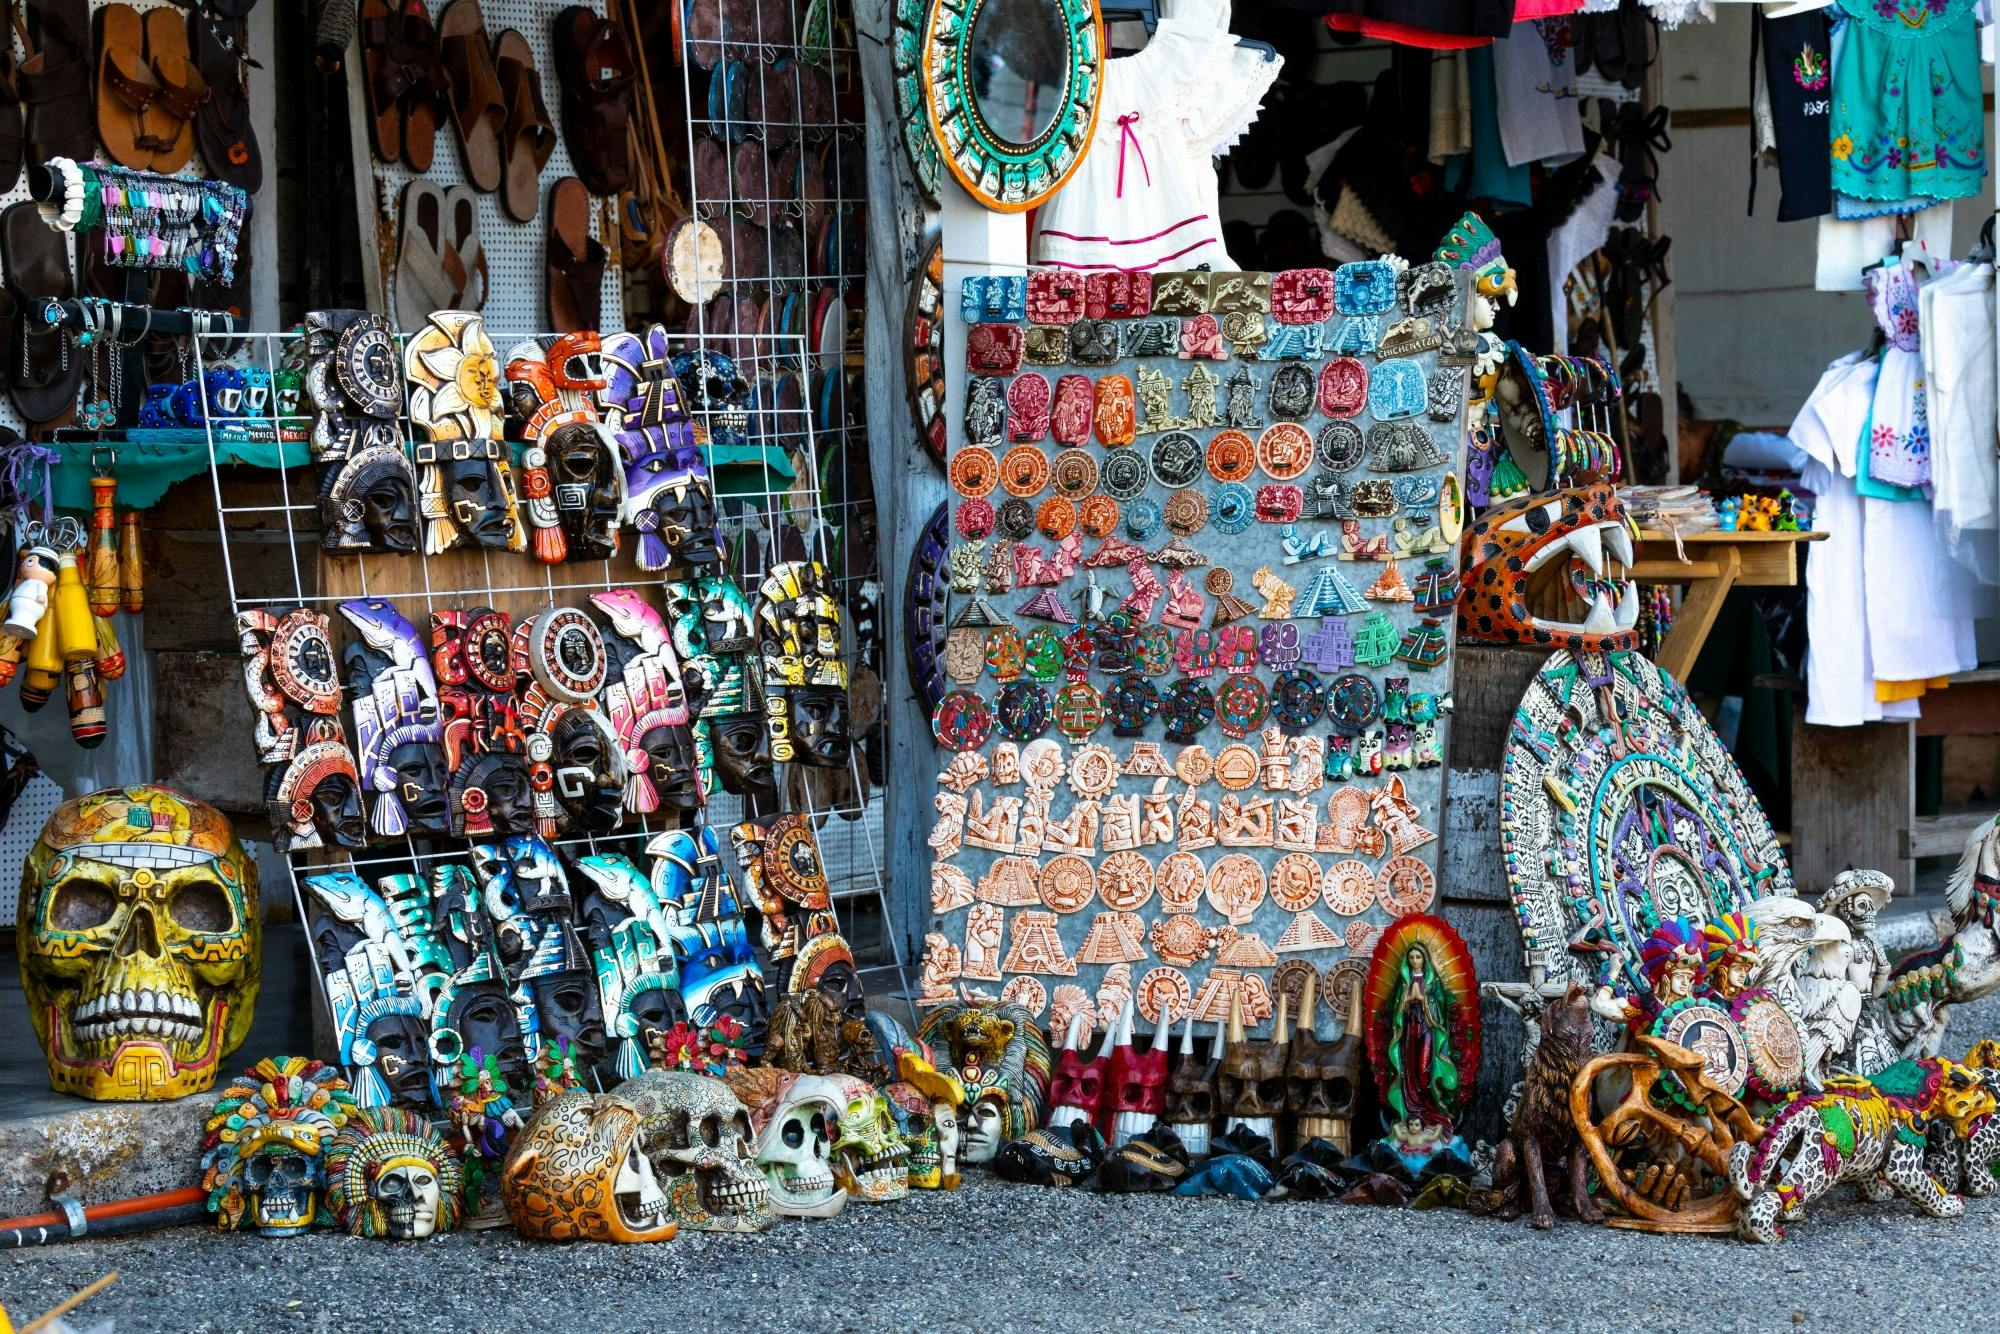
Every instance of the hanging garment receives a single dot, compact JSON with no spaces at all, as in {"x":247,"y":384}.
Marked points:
{"x":1908,"y":119}
{"x":1846,"y":249}
{"x":1145,"y":196}
{"x":1840,"y":676}
{"x":1451,"y":106}
{"x":1485,"y":173}
{"x":1535,"y":85}
{"x":1921,"y":602}
{"x":1796,"y":78}
{"x":1956,"y":314}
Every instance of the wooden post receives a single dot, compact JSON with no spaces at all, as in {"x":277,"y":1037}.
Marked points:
{"x":908,"y":486}
{"x":1853,"y":798}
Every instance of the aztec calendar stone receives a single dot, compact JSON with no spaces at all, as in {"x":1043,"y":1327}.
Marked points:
{"x":1619,"y":808}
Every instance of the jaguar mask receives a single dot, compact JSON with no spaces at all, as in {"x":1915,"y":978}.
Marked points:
{"x":576,"y":1172}
{"x":1514,"y":540}
{"x":140,"y":944}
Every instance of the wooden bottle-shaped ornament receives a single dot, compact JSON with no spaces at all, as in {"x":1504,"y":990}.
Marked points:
{"x":76,"y":641}
{"x":44,"y":666}
{"x":110,"y":654}
{"x":103,"y":545}
{"x":131,"y":564}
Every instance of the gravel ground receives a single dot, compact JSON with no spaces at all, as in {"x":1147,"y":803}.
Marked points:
{"x":995,"y":1256}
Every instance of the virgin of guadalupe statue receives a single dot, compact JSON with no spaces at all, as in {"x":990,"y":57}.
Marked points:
{"x":1422,"y":1003}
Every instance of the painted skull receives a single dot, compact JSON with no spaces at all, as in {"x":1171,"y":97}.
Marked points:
{"x":262,"y":1155}
{"x":140,"y":944}
{"x":576,"y":1173}
{"x":388,"y":1174}
{"x":1515,"y":539}
{"x":870,"y":1159}
{"x":795,"y":1149}
{"x":696,"y":1133}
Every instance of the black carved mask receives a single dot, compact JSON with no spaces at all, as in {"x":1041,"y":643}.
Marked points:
{"x":474,"y":499}
{"x":587,"y":500}
{"x":660,"y":1008}
{"x":686,"y":513}
{"x":588,"y":783}
{"x":670,"y":763}
{"x":485,"y":1020}
{"x":498,"y":786}
{"x":389,"y":513}
{"x":337,"y":811}
{"x":743,"y":754}
{"x":402,"y":1057}
{"x":420,"y":785}
{"x":568,"y":1006}
{"x":819,"y":722}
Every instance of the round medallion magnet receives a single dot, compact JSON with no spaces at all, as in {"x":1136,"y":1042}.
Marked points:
{"x":1188,"y":708}
{"x":1341,"y":446}
{"x":1295,"y":882}
{"x":1298,"y":701}
{"x":1291,"y":393}
{"x":1097,"y":515}
{"x":1405,"y":885}
{"x":974,"y":518}
{"x":1193,"y":766}
{"x":1125,"y":881}
{"x":1023,"y":710}
{"x":1176,"y":460}
{"x":1702,"y":1025}
{"x":974,"y":471}
{"x":1232,"y":456}
{"x":1026,"y":992}
{"x":303,"y":663}
{"x":1231,"y":509}
{"x":1024,"y":471}
{"x":1348,"y":887}
{"x":1043,"y":765}
{"x":1079,"y":710}
{"x":1123,"y":475}
{"x":1164,"y":993}
{"x":1133,"y":700}
{"x":1285,"y":451}
{"x":1187,"y":513}
{"x":1042,"y":657}
{"x":1016,"y":519}
{"x":566,"y":654}
{"x":1241,"y":705}
{"x":1777,"y":1057}
{"x":1236,"y":768}
{"x":962,"y":721}
{"x":1288,"y":981}
{"x":1352,"y":702}
{"x":1180,"y":881}
{"x":1180,"y":939}
{"x":1074,"y":474}
{"x":1093,"y":772}
{"x":1142,"y":519}
{"x":1056,"y":519}
{"x":1235,"y":888}
{"x":1066,"y":883}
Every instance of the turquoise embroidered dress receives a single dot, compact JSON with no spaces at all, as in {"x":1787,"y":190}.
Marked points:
{"x":1908,"y":120}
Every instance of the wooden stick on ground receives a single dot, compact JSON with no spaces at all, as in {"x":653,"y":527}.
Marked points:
{"x":70,"y":1303}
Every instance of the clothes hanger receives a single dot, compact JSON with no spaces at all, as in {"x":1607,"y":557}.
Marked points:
{"x":1148,"y":13}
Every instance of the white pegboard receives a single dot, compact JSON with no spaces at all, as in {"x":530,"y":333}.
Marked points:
{"x":32,"y":809}
{"x":515,"y":251}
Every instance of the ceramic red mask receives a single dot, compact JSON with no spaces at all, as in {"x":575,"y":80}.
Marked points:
{"x":1077,"y":1090}
{"x":1138,"y":1083}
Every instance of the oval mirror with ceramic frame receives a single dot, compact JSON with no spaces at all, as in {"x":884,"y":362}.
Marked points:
{"x":906,"y":66}
{"x":1053,"y":107}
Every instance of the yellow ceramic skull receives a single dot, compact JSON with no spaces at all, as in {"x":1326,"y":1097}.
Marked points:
{"x":139,"y":939}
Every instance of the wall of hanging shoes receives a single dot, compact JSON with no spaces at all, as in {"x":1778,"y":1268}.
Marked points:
{"x":771,"y":130}
{"x":503,"y":217}
{"x":1196,"y":644}
{"x":504,"y":713}
{"x":165,"y":54}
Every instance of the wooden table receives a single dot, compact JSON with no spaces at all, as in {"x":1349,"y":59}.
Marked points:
{"x":1714,"y":563}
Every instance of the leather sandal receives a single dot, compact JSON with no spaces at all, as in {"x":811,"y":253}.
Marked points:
{"x":222,"y":126}
{"x":423,"y":283}
{"x":389,"y":73}
{"x":528,"y":138}
{"x":12,"y":140}
{"x":426,"y":103}
{"x":594,"y":66}
{"x":464,"y":256}
{"x":126,"y":88}
{"x":43,"y":375}
{"x":575,"y":280}
{"x":182,"y":90}
{"x":54,"y":81}
{"x":477,"y":108}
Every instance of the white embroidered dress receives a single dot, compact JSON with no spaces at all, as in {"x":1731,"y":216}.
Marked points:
{"x":1144,"y":196}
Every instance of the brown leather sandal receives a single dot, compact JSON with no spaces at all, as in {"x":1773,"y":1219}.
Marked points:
{"x":223,"y":130}
{"x":126,"y":88}
{"x":575,"y":281}
{"x":389,"y":74}
{"x":427,"y":101}
{"x":529,"y":138}
{"x":182,"y":89}
{"x":594,"y":65}
{"x":477,"y":107}
{"x":54,"y":81}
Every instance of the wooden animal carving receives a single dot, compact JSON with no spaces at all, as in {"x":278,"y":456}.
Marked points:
{"x":1543,"y":1139}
